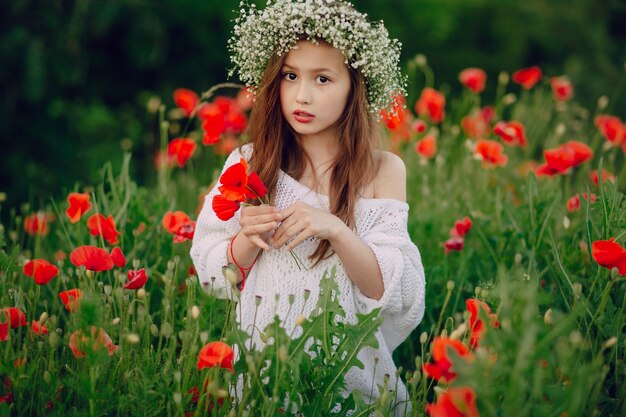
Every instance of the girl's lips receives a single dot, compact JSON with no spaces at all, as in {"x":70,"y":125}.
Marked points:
{"x":302,"y":116}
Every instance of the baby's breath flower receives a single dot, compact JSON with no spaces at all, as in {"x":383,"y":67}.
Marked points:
{"x":258,"y":34}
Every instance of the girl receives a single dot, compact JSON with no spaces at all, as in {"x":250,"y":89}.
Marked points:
{"x":321,"y":73}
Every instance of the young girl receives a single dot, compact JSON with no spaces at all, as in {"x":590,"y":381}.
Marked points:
{"x":321,"y":73}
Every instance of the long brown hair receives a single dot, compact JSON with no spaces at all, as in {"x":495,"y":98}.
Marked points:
{"x":277,"y":147}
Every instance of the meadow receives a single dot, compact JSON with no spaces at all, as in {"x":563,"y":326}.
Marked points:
{"x":516,"y":204}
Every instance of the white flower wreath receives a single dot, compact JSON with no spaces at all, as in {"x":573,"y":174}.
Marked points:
{"x":275,"y":30}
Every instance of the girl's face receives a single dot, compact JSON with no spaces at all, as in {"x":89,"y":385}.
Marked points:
{"x":314,"y":88}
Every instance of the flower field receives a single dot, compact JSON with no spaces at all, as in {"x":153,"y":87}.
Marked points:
{"x":516,"y":204}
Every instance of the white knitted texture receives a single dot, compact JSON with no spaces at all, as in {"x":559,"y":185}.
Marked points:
{"x":380,"y":223}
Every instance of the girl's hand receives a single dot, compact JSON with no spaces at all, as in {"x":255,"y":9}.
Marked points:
{"x":257,"y":221}
{"x":303,"y":221}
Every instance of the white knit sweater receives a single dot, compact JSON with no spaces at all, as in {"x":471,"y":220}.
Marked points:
{"x":380,"y":223}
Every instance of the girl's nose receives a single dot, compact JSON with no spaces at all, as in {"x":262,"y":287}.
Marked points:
{"x":304,"y":94}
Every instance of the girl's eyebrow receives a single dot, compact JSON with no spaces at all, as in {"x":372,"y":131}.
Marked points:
{"x":321,"y":69}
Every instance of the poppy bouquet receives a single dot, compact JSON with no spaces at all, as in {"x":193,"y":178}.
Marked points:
{"x":238,"y":188}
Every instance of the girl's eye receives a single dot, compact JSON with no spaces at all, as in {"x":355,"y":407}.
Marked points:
{"x":290,"y":76}
{"x":322,"y":79}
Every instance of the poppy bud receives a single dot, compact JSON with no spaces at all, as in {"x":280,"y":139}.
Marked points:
{"x":132,"y":338}
{"x":547,"y":318}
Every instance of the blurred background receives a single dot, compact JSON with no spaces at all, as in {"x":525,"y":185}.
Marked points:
{"x":80,"y":79}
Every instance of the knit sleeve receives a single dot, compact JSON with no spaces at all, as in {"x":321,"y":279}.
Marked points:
{"x":212,"y":237}
{"x":403,"y":301}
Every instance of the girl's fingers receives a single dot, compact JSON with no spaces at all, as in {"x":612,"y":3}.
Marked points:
{"x":259,"y":242}
{"x":288,"y":233}
{"x":258,"y":229}
{"x":260,"y":219}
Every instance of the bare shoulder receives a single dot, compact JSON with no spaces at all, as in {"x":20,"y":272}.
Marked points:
{"x":390,"y":182}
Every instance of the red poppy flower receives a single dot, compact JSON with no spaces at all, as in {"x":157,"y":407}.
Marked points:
{"x":431,"y":104}
{"x":606,"y":176}
{"x":474,"y":79}
{"x":118,"y":257}
{"x":182,"y":149}
{"x":4,"y":334}
{"x":255,"y":187}
{"x":418,"y":126}
{"x":476,"y":125}
{"x":455,"y":243}
{"x":213,"y":126}
{"x":397,"y":116}
{"x":100,"y":226}
{"x":611,"y":128}
{"x":440,"y":368}
{"x":609,"y":254}
{"x":427,"y":147}
{"x":70,"y":299}
{"x":41,"y":271}
{"x":573,"y":204}
{"x":98,"y":339}
{"x":216,"y":354}
{"x":136,"y":279}
{"x":234,"y":181}
{"x":36,"y":224}
{"x":186,"y":100}
{"x":454,"y":402}
{"x":512,"y":133}
{"x":491,"y":153}
{"x":227,"y":145}
{"x":36,"y":328}
{"x":173,"y":220}
{"x":477,"y":326}
{"x":185,"y":232}
{"x":224,"y":209}
{"x":79,"y":205}
{"x":527,"y":77}
{"x":567,"y":156}
{"x":92,"y":258}
{"x":13,"y":317}
{"x":562,"y":89}
{"x":461,"y":227}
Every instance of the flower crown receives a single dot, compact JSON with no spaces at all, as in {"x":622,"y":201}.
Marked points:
{"x":275,"y":30}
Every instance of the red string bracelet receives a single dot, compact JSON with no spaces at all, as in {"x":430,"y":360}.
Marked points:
{"x":242,"y":269}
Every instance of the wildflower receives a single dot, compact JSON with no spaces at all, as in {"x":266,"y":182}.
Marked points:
{"x":527,"y":77}
{"x":609,"y":254}
{"x":36,"y":224}
{"x":563,"y":158}
{"x":185,"y":99}
{"x":491,"y":153}
{"x":476,"y":125}
{"x":92,"y":258}
{"x":474,"y":79}
{"x":70,"y":299}
{"x":182,"y":149}
{"x":427,"y":147}
{"x":611,"y":128}
{"x":594,"y":176}
{"x":172,"y":221}
{"x":14,"y":317}
{"x":185,"y":232}
{"x":461,"y":227}
{"x":118,"y":257}
{"x":431,"y":104}
{"x":37,"y":328}
{"x":96,"y":340}
{"x":79,"y":205}
{"x":41,"y":271}
{"x":220,"y":117}
{"x":216,"y":354}
{"x":136,"y":279}
{"x":512,"y":133}
{"x":573,"y":203}
{"x":100,"y":226}
{"x":454,"y":402}
{"x":477,"y":326}
{"x":454,"y":244}
{"x":562,"y":89}
{"x":418,"y":126}
{"x":440,"y":368}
